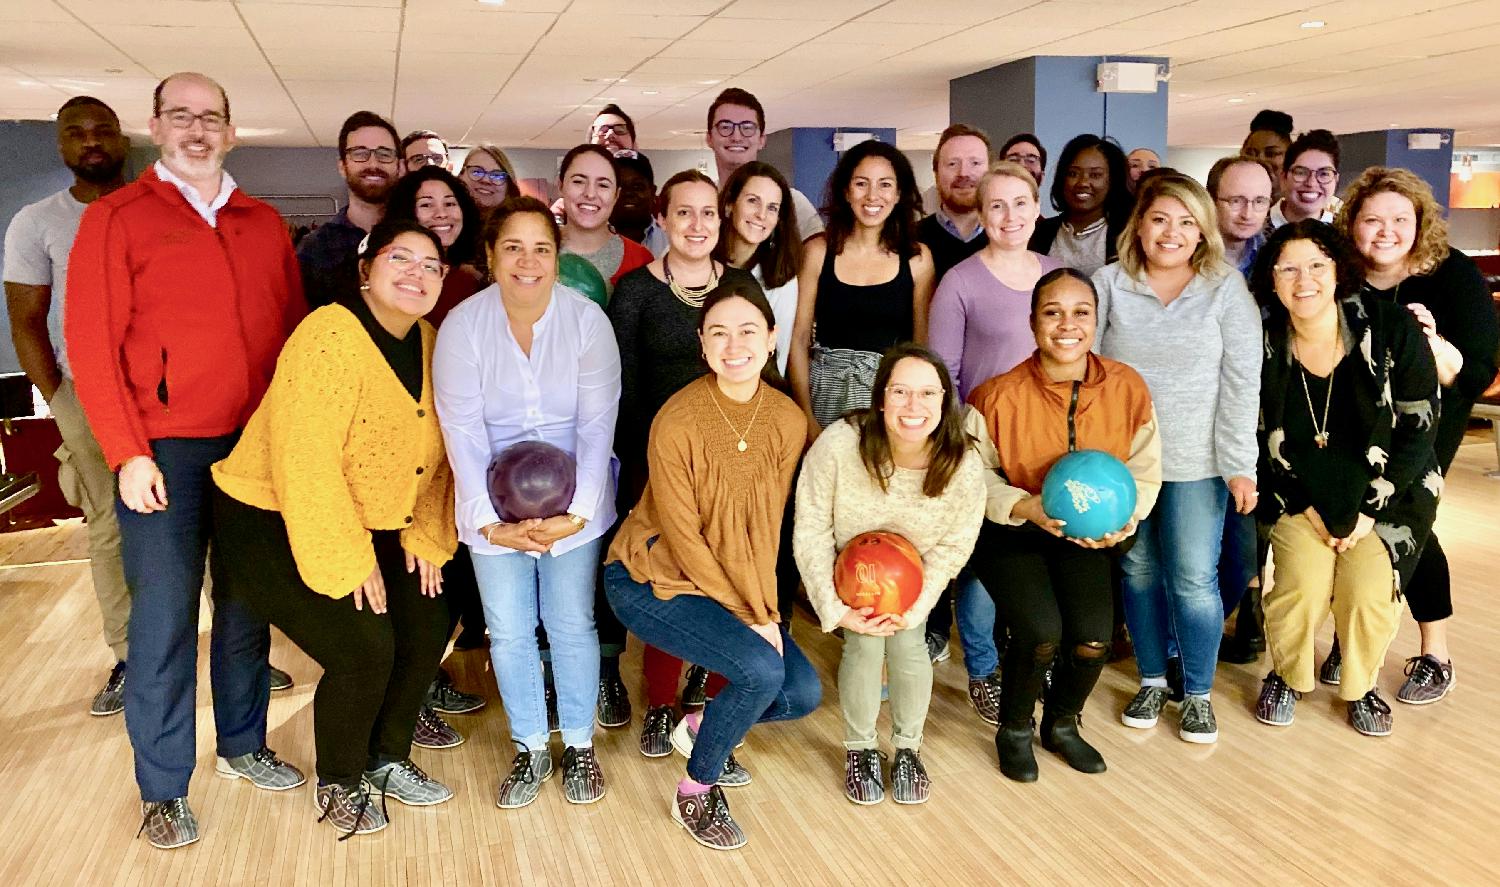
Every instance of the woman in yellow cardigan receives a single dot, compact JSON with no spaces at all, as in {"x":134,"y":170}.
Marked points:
{"x":334,"y":513}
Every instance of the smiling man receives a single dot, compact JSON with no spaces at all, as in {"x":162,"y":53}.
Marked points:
{"x":370,"y":163}
{"x":181,"y":291}
{"x":1309,"y":178}
{"x":953,"y":232}
{"x":736,"y":135}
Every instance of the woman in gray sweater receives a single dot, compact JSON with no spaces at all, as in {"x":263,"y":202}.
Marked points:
{"x":1173,"y":310}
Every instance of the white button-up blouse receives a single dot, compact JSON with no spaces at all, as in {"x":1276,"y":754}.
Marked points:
{"x":491,"y":395}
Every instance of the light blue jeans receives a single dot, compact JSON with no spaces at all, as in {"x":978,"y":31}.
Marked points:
{"x":519,"y":590}
{"x":1172,"y":582}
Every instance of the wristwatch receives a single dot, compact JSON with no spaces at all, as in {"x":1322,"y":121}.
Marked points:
{"x":577,"y":521}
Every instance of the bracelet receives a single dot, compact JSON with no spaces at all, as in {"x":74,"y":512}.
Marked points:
{"x":577,"y":521}
{"x":489,"y":530}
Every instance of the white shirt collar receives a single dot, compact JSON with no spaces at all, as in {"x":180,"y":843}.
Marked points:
{"x":210,"y":210}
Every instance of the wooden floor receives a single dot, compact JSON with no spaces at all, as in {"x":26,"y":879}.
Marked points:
{"x":1312,"y":804}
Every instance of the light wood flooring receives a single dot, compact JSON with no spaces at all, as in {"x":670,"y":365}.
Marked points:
{"x":1312,"y":804}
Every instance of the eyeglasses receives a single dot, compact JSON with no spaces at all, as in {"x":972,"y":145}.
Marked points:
{"x":417,"y":161}
{"x":401,"y":260}
{"x":480,"y":174}
{"x":747,"y":128}
{"x":363,"y":155}
{"x":1318,"y":268}
{"x":1325,"y":175}
{"x":612,"y":129}
{"x":1238,"y":204}
{"x":1016,"y":157}
{"x":182,"y":118}
{"x":903,"y":394}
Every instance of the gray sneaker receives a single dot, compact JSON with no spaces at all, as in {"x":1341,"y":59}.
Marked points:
{"x":937,"y":648}
{"x":583,"y":780}
{"x":404,"y":781}
{"x":1370,"y":715}
{"x":1197,"y":722}
{"x":349,"y":810}
{"x":863,"y":782}
{"x":111,"y":700}
{"x":1145,"y":708}
{"x":263,"y":769}
{"x":910,"y":783}
{"x":1427,"y":680}
{"x":684,"y":737}
{"x":1332,"y":670}
{"x":1277,"y":703}
{"x":527,"y":773}
{"x":168,"y":824}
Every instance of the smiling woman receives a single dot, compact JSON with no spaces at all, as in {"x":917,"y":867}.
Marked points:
{"x":435,"y":199}
{"x":589,"y":181}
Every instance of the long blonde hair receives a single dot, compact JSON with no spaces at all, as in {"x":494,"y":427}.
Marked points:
{"x":1208,"y":257}
{"x":1431,"y":246}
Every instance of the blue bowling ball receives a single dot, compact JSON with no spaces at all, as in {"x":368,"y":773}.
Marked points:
{"x":1091,"y":491}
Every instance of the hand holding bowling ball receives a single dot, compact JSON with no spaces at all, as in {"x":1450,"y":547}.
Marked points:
{"x":880,"y":571}
{"x":1092,"y":493}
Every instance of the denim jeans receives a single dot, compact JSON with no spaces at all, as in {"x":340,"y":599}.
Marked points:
{"x":1172,"y":581}
{"x":975,"y":611}
{"x":763,"y":686}
{"x":164,"y":554}
{"x":1240,"y":560}
{"x":519,"y":591}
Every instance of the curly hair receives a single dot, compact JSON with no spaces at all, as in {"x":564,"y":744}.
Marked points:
{"x":1431,"y":246}
{"x":402,"y":204}
{"x":1208,"y":256}
{"x":899,"y":233}
{"x":1349,"y":272}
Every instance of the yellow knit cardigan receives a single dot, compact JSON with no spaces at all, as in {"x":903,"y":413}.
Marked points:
{"x":339,"y":448}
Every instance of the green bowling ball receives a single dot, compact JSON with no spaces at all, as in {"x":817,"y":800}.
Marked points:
{"x":578,"y":273}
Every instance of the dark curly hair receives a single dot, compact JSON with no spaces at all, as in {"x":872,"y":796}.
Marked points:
{"x":1118,"y":200}
{"x":899,"y":233}
{"x":1349,"y":271}
{"x":402,"y":205}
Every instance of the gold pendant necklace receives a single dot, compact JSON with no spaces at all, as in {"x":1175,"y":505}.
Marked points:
{"x":1320,"y":430}
{"x":741,"y":446}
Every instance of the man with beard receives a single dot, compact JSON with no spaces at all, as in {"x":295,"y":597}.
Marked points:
{"x":953,"y":233}
{"x":1026,"y":149}
{"x":181,"y":291}
{"x":736,"y":135}
{"x":36,"y":273}
{"x":370,"y":163}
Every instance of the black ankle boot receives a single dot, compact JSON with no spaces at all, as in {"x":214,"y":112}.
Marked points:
{"x":1017,"y":760}
{"x":1060,"y":735}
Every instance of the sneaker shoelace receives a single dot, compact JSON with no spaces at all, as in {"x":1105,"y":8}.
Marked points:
{"x":409,"y":768}
{"x":867,"y":766}
{"x":1373,"y":701}
{"x":1278,"y":686}
{"x":264,"y":755}
{"x":576,"y":759}
{"x":658,"y":720}
{"x":715,"y":810}
{"x":521,"y":769}
{"x":346,"y":797}
{"x":116,"y":678}
{"x":610,"y":690}
{"x":171,"y":811}
{"x":428,"y":718}
{"x":909,"y":766}
{"x":1423,"y":670}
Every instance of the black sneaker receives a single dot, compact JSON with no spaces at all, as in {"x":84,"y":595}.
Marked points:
{"x":432,"y":731}
{"x":554,"y":721}
{"x":614,"y":702}
{"x":443,"y":698}
{"x":1333,"y":667}
{"x":694,"y":689}
{"x":1427,"y":680}
{"x":706,"y":817}
{"x":1370,"y":715}
{"x":168,"y":824}
{"x":582,"y":780}
{"x":111,"y":699}
{"x":280,"y":680}
{"x":1144,"y":710}
{"x":1197,"y":722}
{"x":656,"y":732}
{"x":1277,"y":703}
{"x":910,"y":783}
{"x":937,"y":648}
{"x":863,"y":782}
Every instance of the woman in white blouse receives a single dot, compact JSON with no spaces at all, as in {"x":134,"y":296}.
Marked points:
{"x":528,"y":359}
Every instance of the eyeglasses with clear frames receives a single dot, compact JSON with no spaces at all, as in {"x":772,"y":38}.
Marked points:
{"x":1323,"y":174}
{"x":1317,"y":268}
{"x":747,"y":128}
{"x":401,"y":260}
{"x":182,"y":118}
{"x":1238,"y":204}
{"x":362,"y":154}
{"x":903,"y":394}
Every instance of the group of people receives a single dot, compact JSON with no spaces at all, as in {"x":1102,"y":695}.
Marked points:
{"x":764,"y":383}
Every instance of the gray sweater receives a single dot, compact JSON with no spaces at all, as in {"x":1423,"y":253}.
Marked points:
{"x":1200,"y":356}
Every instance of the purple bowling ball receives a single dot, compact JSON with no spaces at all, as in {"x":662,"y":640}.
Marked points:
{"x":531,"y":479}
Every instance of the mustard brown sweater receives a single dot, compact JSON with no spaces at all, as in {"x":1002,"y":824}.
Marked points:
{"x":339,"y":448}
{"x":709,"y":522}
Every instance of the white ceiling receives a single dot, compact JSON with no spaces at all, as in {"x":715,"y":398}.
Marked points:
{"x":532,"y":72}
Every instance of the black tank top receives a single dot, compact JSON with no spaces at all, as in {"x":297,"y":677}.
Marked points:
{"x":863,"y":318}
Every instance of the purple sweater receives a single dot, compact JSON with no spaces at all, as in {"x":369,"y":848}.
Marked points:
{"x":979,"y":326}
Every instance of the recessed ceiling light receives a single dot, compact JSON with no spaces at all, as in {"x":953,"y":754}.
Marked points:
{"x":491,"y":2}
{"x":1236,"y":101}
{"x":1313,"y":24}
{"x":650,"y":92}
{"x":708,"y":82}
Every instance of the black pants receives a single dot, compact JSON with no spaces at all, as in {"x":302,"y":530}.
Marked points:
{"x":1429,"y":594}
{"x":1056,"y":597}
{"x":376,"y":666}
{"x":462,"y":591}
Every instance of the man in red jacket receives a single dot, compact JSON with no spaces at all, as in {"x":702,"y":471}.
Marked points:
{"x":181,"y":291}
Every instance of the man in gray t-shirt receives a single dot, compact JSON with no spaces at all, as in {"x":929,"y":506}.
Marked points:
{"x":37,"y":244}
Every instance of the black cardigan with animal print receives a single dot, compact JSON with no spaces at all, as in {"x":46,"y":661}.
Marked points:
{"x":1397,"y":392}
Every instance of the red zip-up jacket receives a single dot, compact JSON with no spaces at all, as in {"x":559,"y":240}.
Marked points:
{"x":173,"y":326}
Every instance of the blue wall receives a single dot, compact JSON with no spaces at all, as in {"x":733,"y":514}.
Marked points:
{"x":1359,"y":151}
{"x":805,"y":154}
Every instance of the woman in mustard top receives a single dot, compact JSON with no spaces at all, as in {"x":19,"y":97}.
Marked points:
{"x":334,"y":513}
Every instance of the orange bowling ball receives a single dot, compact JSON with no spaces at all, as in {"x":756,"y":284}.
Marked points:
{"x":880,"y":570}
